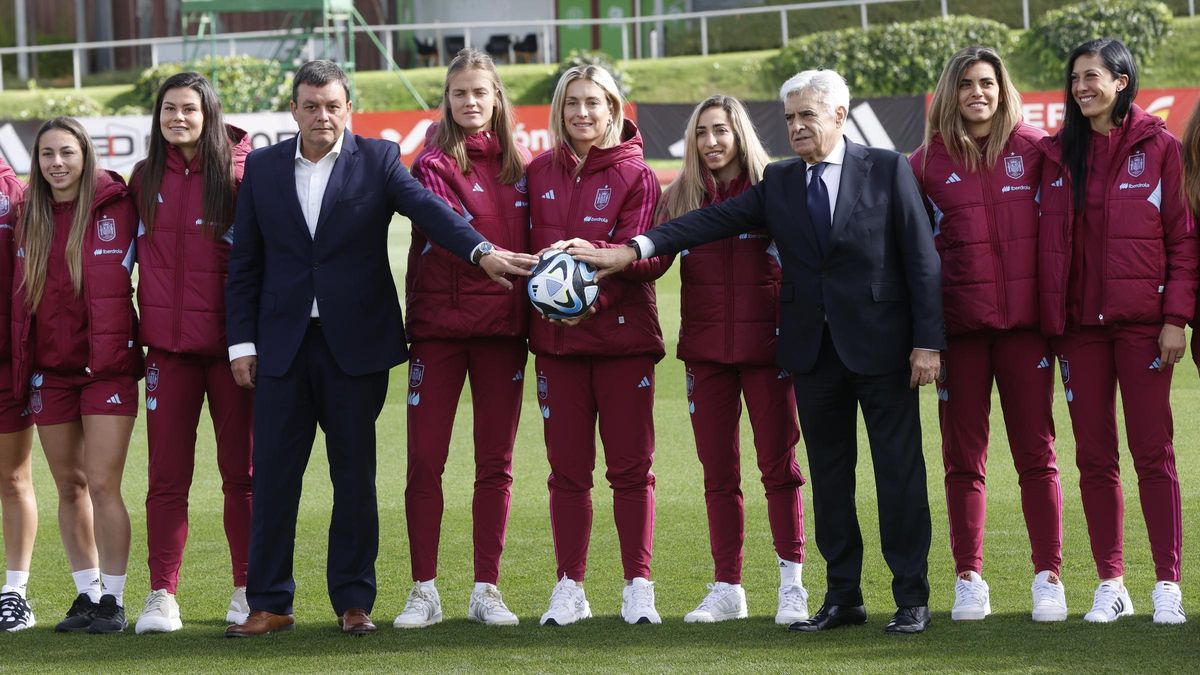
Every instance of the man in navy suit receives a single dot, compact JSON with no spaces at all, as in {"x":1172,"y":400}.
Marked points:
{"x":860,"y":327}
{"x":314,"y":325}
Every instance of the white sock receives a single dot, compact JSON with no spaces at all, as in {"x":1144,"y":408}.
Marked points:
{"x":427,"y":585}
{"x":114,"y":586}
{"x":789,"y":573}
{"x":88,"y":581}
{"x":16,"y":581}
{"x":481,"y":586}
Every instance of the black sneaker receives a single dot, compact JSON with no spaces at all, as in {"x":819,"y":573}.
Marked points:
{"x":15,"y":614}
{"x":109,"y":616}
{"x":79,"y":617}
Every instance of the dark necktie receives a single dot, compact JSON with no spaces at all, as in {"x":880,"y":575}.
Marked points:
{"x":818,"y":206}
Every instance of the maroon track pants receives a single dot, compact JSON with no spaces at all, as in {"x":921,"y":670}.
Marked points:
{"x":1093,"y":362}
{"x":176,"y":385}
{"x":1022,"y":366}
{"x":714,"y":393}
{"x":572,"y":393}
{"x":436,"y":373}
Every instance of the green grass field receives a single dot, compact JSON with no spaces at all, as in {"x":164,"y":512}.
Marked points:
{"x":1007,"y":641}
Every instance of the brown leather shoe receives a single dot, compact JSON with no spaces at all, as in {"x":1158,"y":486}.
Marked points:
{"x":261,"y":623}
{"x":356,"y":622}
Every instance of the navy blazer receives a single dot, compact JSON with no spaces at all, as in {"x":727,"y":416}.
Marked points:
{"x":879,"y":283}
{"x":276,"y":268}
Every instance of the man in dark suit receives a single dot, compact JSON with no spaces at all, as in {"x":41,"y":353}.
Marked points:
{"x":314,"y":325}
{"x":860,"y":326}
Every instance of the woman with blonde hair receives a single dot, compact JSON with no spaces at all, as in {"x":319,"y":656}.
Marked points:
{"x":979,"y":171}
{"x":593,"y":189}
{"x":76,"y":355}
{"x":462,"y":325}
{"x":729,"y":308}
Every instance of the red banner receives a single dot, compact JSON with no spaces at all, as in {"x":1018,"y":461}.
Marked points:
{"x":408,"y":127}
{"x":1045,"y":108}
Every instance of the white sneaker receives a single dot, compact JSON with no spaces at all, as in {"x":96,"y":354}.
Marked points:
{"x":724,"y":601}
{"x":424,"y":608}
{"x":972,"y":598}
{"x":15,"y":613}
{"x":1111,"y":603}
{"x":487,"y":607}
{"x":637,"y":602}
{"x":1049,"y":598}
{"x":793,"y":605}
{"x":239,"y":608}
{"x":1168,"y":603}
{"x":568,"y":604}
{"x":160,"y":615}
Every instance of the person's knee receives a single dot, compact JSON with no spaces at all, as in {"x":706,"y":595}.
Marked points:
{"x":15,"y":486}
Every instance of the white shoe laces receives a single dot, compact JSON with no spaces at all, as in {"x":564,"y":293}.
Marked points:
{"x":641,"y":597}
{"x":158,"y":602}
{"x":714,"y":597}
{"x":792,"y":595}
{"x":969,"y":593}
{"x":491,"y":600}
{"x":563,"y":596}
{"x":1167,"y":598}
{"x":1045,"y":592}
{"x":419,"y":600}
{"x":1106,"y":597}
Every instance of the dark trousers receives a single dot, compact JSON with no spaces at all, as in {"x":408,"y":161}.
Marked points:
{"x":287,"y":411}
{"x":827,"y":398}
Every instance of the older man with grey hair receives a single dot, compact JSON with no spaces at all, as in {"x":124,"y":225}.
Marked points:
{"x":860,"y":327}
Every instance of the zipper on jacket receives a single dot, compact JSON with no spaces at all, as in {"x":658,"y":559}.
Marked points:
{"x":178,"y":301}
{"x":994,"y":237}
{"x":571,"y":212}
{"x":730,"y":254}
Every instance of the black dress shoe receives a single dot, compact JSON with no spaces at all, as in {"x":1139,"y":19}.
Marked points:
{"x":909,"y":620}
{"x":832,"y":616}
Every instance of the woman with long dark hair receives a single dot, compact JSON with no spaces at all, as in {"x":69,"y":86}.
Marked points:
{"x":185,"y":192}
{"x":979,"y":170}
{"x":1117,"y":260}
{"x":1191,"y":188}
{"x":76,"y":355}
{"x":729,"y":307}
{"x":462,"y":325}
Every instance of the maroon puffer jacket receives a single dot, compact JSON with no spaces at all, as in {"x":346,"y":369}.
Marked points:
{"x":12,"y":193}
{"x":1148,"y":270}
{"x":986,"y":232}
{"x":729,"y":299}
{"x":108,"y":257}
{"x":446,"y":297}
{"x":610,"y":200}
{"x":181,"y":267}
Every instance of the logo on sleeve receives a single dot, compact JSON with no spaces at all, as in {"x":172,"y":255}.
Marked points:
{"x":4,"y":204}
{"x":1136,"y":165}
{"x":1014,"y":166}
{"x":603,"y":195}
{"x":106,"y":229}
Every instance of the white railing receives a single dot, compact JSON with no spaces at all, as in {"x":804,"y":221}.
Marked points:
{"x":175,"y":45}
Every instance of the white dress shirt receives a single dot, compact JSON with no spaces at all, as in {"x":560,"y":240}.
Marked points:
{"x":311,"y":180}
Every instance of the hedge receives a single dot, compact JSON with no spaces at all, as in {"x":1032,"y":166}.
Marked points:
{"x":1142,"y":26}
{"x":890,"y":60}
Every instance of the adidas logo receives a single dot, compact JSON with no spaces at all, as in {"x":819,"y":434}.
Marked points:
{"x":1156,"y":363}
{"x":954,"y":178}
{"x":644,"y":383}
{"x":477,"y":188}
{"x":1044,"y":363}
{"x":1057,"y":183}
{"x":548,"y":195}
{"x":115,"y":399}
{"x":519,"y":377}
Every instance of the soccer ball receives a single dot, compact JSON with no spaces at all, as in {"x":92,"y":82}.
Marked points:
{"x":562,"y":287}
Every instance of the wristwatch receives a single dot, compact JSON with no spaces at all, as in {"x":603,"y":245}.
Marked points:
{"x":483,"y":249}
{"x":637,"y":248}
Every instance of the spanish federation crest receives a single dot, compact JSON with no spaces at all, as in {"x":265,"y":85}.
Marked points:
{"x":106,"y":229}
{"x":1065,"y":368}
{"x":416,"y":375}
{"x":542,"y":388}
{"x":522,"y":186}
{"x":4,"y":205}
{"x":691,"y":384}
{"x":1136,"y":165}
{"x":35,"y":401}
{"x":151,"y":379}
{"x":1014,"y":166}
{"x":602,"y":197}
